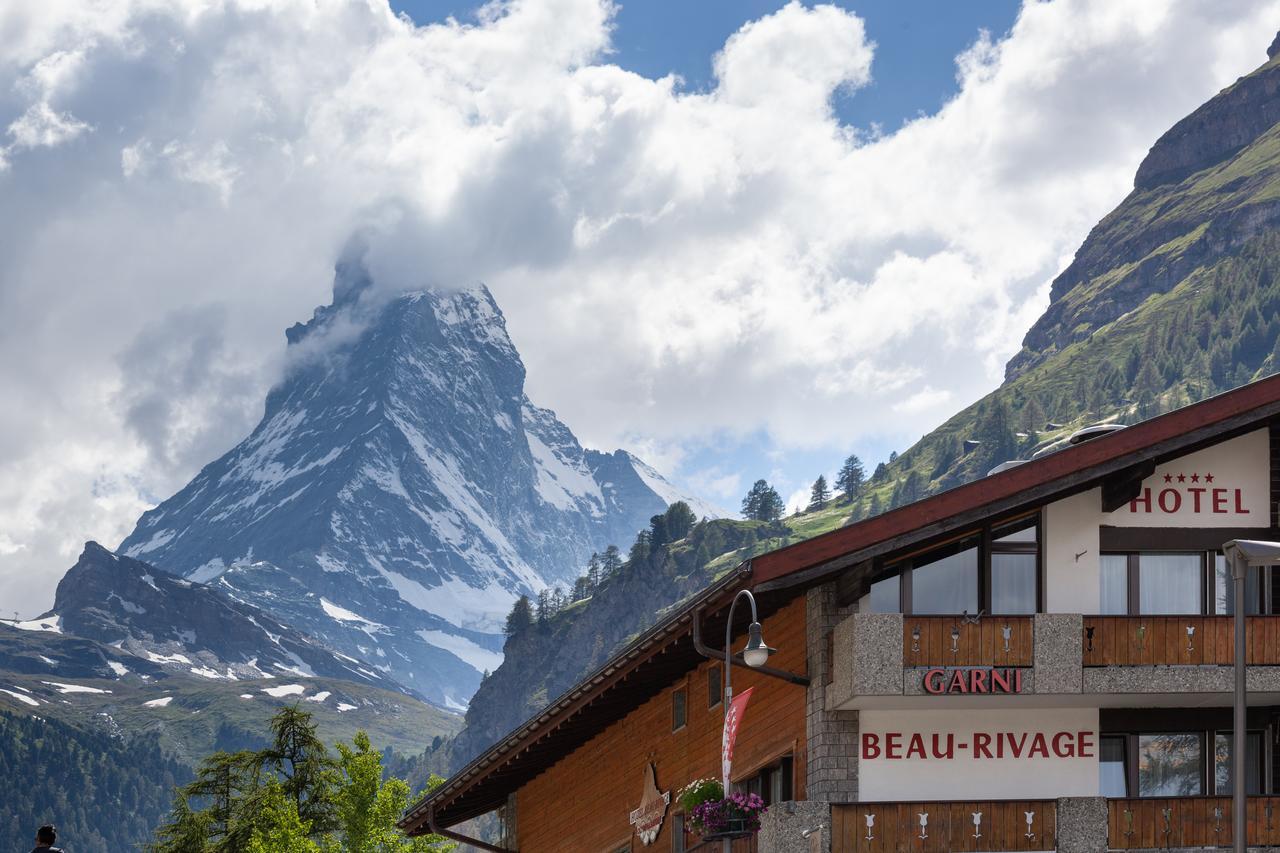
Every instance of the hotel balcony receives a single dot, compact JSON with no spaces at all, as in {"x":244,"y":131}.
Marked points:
{"x":887,"y":660}
{"x":1009,"y":826}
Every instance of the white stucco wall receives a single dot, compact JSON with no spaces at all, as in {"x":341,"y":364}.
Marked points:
{"x":1070,"y":531}
{"x":970,"y":777}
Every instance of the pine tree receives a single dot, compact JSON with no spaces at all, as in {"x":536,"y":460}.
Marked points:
{"x":819,"y":494}
{"x":762,"y":503}
{"x":520,"y":617}
{"x":611,"y":561}
{"x":850,"y":478}
{"x":679,"y":520}
{"x":593,"y":571}
{"x":543,"y":611}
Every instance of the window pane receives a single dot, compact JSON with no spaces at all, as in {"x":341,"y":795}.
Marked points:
{"x":1222,"y":764}
{"x":1224,"y":595}
{"x":1115,"y":584}
{"x":1022,"y":531}
{"x":1112,"y":781}
{"x":885,"y":597}
{"x":1013,"y":583}
{"x":677,"y":709}
{"x":946,"y":586}
{"x":677,"y":833}
{"x":1169,"y":583}
{"x":715,"y":690}
{"x":1169,"y":765}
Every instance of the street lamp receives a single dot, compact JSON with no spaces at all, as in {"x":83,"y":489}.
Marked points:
{"x":1242,"y":554}
{"x":754,"y":654}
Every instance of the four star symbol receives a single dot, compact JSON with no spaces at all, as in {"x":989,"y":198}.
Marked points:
{"x":1195,"y":477}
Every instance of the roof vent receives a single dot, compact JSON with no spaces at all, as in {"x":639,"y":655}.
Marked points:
{"x":1088,"y":433}
{"x":1005,"y":466}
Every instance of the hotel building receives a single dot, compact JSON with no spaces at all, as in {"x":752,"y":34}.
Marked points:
{"x":1038,"y":660}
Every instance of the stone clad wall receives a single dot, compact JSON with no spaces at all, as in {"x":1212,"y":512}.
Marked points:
{"x":833,"y":735}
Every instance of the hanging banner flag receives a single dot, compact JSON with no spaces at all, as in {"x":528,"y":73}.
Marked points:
{"x":732,"y":720}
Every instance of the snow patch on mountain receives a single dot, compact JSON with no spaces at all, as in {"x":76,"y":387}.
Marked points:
{"x":470,"y":651}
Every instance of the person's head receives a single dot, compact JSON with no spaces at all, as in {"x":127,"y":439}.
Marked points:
{"x":46,"y":835}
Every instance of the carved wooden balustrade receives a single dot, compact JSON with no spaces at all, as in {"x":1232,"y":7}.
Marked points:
{"x":936,"y":827}
{"x":1154,"y":640}
{"x":1187,"y":822}
{"x":956,"y":641}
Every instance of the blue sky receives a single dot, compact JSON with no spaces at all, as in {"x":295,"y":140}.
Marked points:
{"x":916,"y":44}
{"x":913,"y":73}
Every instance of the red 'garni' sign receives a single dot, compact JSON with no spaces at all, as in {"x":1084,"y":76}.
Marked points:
{"x":732,"y":720}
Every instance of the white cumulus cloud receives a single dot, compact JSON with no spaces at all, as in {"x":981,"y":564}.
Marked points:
{"x":180,"y":175}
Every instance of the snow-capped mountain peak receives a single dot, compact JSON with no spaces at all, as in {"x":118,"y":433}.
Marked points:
{"x":401,"y":490}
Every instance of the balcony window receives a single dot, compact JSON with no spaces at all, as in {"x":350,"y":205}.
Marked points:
{"x":1013,"y":583}
{"x":995,"y":571}
{"x":1115,"y":584}
{"x":1153,"y":584}
{"x":886,"y":595}
{"x":946,"y":585}
{"x":1170,"y":584}
{"x":1112,"y":770}
{"x":1170,"y":765}
{"x":1224,"y":596}
{"x":1222,"y":763}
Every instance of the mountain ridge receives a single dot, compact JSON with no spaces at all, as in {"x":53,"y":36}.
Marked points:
{"x":401,"y":489}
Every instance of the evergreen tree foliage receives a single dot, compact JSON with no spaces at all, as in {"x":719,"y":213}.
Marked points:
{"x":293,"y":797}
{"x":520,"y":617}
{"x":104,"y":793}
{"x":611,"y":561}
{"x":850,"y":478}
{"x":819,"y":494}
{"x":762,"y":503}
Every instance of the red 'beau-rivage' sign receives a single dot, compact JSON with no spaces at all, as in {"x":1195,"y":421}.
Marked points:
{"x":732,"y":720}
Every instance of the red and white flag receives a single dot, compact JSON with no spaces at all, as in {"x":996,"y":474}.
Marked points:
{"x":732,"y":720}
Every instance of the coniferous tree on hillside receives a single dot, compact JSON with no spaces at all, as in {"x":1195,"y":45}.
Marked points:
{"x":819,"y":494}
{"x":610,"y":561}
{"x":762,"y":503}
{"x":520,"y":617}
{"x":850,"y":478}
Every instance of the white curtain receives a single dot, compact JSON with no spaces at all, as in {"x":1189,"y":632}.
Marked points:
{"x":1169,"y":583}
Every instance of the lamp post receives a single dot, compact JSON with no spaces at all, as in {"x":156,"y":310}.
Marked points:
{"x":754,"y":654}
{"x":1242,"y":554}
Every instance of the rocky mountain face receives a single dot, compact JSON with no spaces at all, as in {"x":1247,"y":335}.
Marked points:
{"x":186,"y":627}
{"x":547,"y":657}
{"x":1203,"y":192}
{"x":1173,"y":297}
{"x":401,"y":490}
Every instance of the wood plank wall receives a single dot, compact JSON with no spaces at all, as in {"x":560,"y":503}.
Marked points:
{"x":583,"y":802}
{"x":1116,"y":640}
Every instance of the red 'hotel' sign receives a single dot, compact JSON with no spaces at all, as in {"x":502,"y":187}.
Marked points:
{"x":1185,"y":492}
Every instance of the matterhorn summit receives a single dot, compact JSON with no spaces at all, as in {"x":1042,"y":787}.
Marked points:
{"x":401,"y":490}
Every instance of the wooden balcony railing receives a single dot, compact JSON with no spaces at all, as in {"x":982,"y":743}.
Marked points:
{"x":952,"y":641}
{"x":936,"y":827}
{"x":1152,"y":640}
{"x":1188,"y":822}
